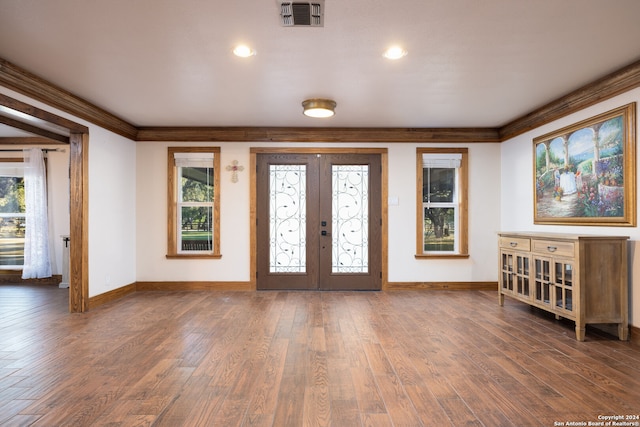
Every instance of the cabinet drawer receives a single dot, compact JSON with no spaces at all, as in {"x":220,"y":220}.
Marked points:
{"x":519,"y":243}
{"x":550,"y":247}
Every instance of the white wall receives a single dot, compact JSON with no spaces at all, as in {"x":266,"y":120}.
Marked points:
{"x":484,"y":198}
{"x":516,"y":199}
{"x":58,"y":195}
{"x":152,"y":264}
{"x":112,"y":204}
{"x":484,"y":183}
{"x":112,"y":211}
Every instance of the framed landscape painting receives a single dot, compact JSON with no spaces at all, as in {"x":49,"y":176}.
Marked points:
{"x":585,"y":174}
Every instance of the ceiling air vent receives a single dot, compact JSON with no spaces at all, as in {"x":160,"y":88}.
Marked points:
{"x":302,"y":14}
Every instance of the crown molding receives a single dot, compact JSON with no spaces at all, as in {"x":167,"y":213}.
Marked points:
{"x":22,"y":81}
{"x":620,"y":81}
{"x":317,"y":134}
{"x":611,"y":85}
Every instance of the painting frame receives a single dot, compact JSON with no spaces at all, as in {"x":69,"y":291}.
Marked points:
{"x":577,"y":181}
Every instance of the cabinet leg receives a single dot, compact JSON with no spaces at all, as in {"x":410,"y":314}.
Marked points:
{"x":500,"y":298}
{"x":580,"y":333}
{"x":623,"y":332}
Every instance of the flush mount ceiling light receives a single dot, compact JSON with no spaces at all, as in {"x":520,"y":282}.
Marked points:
{"x":243,"y":51}
{"x":394,"y":52}
{"x":317,"y":107}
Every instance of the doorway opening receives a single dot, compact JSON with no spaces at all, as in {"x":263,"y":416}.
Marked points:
{"x":49,"y":127}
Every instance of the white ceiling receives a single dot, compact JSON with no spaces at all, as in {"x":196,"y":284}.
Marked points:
{"x":470,"y":63}
{"x":8,"y":131}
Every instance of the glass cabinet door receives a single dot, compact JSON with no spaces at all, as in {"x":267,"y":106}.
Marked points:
{"x":542,"y":279}
{"x":507,"y":271}
{"x":515,"y":274}
{"x":522,"y":275}
{"x":563,"y":284}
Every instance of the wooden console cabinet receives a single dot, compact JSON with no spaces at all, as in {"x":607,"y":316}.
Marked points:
{"x":579,"y":277}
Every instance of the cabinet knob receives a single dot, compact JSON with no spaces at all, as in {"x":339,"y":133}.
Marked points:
{"x":513,"y":244}
{"x":552,"y":248}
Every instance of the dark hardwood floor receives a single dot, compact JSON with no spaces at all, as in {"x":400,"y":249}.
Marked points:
{"x":402,"y":358}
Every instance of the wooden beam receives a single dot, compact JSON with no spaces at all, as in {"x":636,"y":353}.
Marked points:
{"x":31,"y":85}
{"x":317,"y":134}
{"x":614,"y":84}
{"x":38,"y":116}
{"x":34,"y":129}
{"x":79,"y":223}
{"x":26,"y":140}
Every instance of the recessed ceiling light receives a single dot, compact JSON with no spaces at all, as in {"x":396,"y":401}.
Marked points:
{"x":394,"y":52}
{"x":243,"y":51}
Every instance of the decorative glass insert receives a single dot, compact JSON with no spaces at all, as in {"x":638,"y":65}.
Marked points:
{"x":350,"y":218}
{"x":287,"y":218}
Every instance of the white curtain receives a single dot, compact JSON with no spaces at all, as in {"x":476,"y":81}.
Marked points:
{"x":36,"y":241}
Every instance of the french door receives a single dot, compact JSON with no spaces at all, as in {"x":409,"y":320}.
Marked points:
{"x":319,"y":221}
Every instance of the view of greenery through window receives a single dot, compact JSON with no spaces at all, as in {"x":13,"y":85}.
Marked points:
{"x":196,"y":208}
{"x":439,"y":215}
{"x":12,"y":217}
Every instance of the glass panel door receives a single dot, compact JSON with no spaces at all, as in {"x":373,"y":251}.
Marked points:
{"x":350,"y":222}
{"x":286,"y":218}
{"x":319,"y":221}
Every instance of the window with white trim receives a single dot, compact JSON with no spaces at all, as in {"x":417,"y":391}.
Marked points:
{"x":193,"y":228}
{"x":442,"y":198}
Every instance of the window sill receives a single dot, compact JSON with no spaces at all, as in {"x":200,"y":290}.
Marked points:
{"x":442,"y":256}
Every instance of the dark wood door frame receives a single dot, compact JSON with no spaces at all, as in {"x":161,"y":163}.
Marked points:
{"x":78,"y":136}
{"x":318,"y":150}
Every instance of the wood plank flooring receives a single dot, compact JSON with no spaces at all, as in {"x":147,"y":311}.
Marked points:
{"x":402,"y":358}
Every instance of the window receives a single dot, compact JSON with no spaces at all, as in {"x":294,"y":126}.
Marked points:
{"x":442,"y":202}
{"x":194,"y":202}
{"x":12,"y":213}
